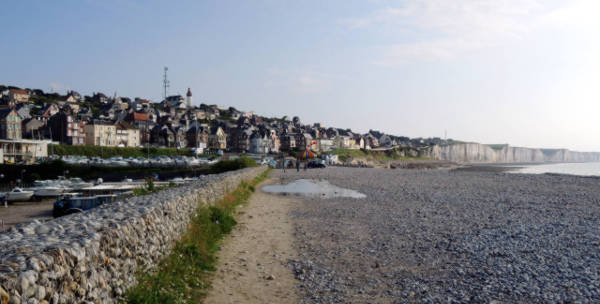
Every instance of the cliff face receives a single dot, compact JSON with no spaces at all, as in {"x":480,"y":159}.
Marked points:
{"x":479,"y":153}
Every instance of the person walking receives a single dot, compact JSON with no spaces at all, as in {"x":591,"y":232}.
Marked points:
{"x":283,"y":162}
{"x":305,"y":165}
{"x":297,"y":165}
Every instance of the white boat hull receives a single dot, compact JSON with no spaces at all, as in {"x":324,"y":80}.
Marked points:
{"x":19,"y":197}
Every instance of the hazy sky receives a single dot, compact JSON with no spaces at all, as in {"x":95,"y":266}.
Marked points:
{"x":493,"y":71}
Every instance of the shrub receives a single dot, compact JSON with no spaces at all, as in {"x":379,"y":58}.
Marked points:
{"x":106,"y":152}
{"x":150,"y":184}
{"x":224,"y":220}
{"x":230,"y":165}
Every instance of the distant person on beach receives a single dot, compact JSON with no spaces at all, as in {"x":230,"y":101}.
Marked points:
{"x":297,"y":165}
{"x":305,"y":165}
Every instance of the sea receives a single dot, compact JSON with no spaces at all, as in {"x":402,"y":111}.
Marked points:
{"x":584,"y":169}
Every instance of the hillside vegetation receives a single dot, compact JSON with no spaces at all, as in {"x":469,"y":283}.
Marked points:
{"x":381,"y":156}
{"x":105,"y":152}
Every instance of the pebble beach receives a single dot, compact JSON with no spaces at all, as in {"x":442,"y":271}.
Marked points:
{"x":447,"y":236}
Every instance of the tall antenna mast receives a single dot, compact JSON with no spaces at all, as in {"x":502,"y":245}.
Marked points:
{"x":165,"y":83}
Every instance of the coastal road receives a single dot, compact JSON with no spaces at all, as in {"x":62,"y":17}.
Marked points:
{"x":24,"y":212}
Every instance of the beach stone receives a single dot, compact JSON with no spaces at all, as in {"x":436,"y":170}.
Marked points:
{"x":42,"y":229}
{"x":447,"y":236}
{"x":4,"y":296}
{"x":40,"y":293}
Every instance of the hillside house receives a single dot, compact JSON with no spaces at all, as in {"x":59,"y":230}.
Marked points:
{"x":371,"y":141}
{"x":385,"y":141}
{"x":23,"y":109}
{"x":67,"y":129}
{"x":288,"y":142}
{"x":260,"y":143}
{"x":325,"y":144}
{"x":12,"y":97}
{"x":197,"y":136}
{"x":99,"y":98}
{"x":217,"y":138}
{"x":100,"y":133}
{"x":274,"y":141}
{"x":10,"y":124}
{"x":127,"y":135}
{"x":240,"y":139}
{"x":49,"y":109}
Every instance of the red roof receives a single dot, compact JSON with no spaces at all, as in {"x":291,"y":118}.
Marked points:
{"x":189,"y":93}
{"x":19,"y":91}
{"x":140,"y":116}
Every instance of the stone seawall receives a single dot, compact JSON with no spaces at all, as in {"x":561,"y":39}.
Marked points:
{"x":480,"y":153}
{"x":92,"y":257}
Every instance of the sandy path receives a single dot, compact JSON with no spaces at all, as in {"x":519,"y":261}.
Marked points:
{"x":252,"y":260}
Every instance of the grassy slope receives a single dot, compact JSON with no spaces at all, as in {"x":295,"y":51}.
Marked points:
{"x":383,"y":156}
{"x":184,"y":275}
{"x":497,"y":147}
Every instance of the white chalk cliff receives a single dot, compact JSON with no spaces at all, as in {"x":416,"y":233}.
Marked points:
{"x":480,"y":153}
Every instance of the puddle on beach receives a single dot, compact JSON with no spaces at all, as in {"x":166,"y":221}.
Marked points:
{"x":312,"y":188}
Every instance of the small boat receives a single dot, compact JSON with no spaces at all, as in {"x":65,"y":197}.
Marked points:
{"x":18,"y":195}
{"x":47,"y":188}
{"x":77,"y":183}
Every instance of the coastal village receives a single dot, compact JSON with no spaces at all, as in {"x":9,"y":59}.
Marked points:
{"x":470,"y":174}
{"x":30,"y":119}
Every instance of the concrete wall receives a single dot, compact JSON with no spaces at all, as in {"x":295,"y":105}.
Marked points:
{"x":93,"y":256}
{"x":479,"y":153}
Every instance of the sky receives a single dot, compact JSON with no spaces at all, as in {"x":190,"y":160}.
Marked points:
{"x":522,"y":72}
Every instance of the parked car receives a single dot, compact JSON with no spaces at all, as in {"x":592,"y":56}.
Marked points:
{"x":316,"y":164}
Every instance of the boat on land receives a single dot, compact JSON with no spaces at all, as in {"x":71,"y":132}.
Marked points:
{"x":74,"y":202}
{"x":18,"y":195}
{"x":48,"y":188}
{"x":77,"y":183}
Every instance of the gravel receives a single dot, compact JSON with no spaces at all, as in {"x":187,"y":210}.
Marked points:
{"x":442,"y":236}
